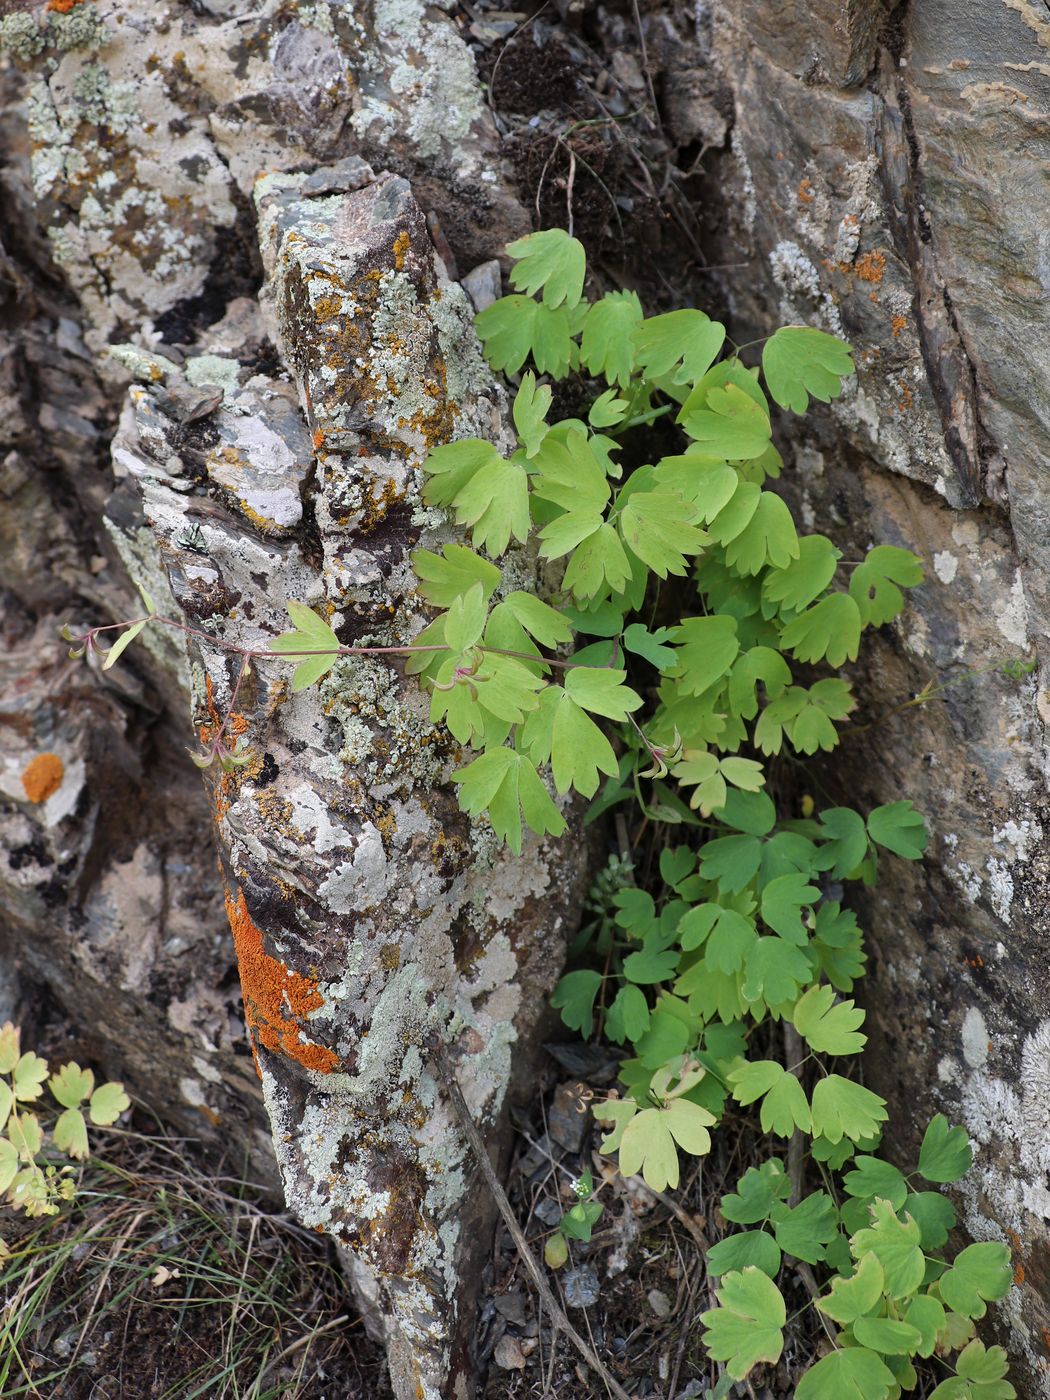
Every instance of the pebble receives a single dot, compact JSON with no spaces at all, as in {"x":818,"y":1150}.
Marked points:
{"x":581,"y":1287}
{"x":508,"y":1354}
{"x":569,"y":1120}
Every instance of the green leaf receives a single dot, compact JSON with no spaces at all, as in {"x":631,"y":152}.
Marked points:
{"x":844,"y":1109}
{"x":945,"y":1154}
{"x":607,"y":410}
{"x":555,"y":1251}
{"x":638,"y":639}
{"x":707,"y":485}
{"x":795,"y":585}
{"x":70,"y":1134}
{"x":895,"y":1243}
{"x":9,"y":1047}
{"x":27,"y":1077}
{"x":887,"y":1335}
{"x":830,"y":629}
{"x":465,"y":620}
{"x":601,"y":691}
{"x":7,"y":1102}
{"x":657,"y":526}
{"x":443,"y":577}
{"x":599,"y":561}
{"x":874,"y":583}
{"x":732,"y":426}
{"x":107,"y":1103}
{"x":648,"y":1147}
{"x":706,"y":648}
{"x":760,"y":664}
{"x":844,"y":842}
{"x":550,"y":259}
{"x":979,"y":1272}
{"x":607,"y":347}
{"x":516,"y":326}
{"x":749,"y":1249}
{"x":123,"y":641}
{"x":735,"y":515}
{"x":312,"y":634}
{"x":900,"y":828}
{"x":830,"y":1028}
{"x":685,"y":342}
{"x":927,"y":1316}
{"x":732,"y":861}
{"x":574,"y":998}
{"x":852,"y":1374}
{"x":786,"y":1108}
{"x":650,"y":965}
{"x":872,"y":1176}
{"x":548,"y":626}
{"x":857,"y":1295}
{"x":71,"y":1085}
{"x":935,"y":1216}
{"x":798,"y":361}
{"x":746,"y":1327}
{"x":774,"y":972}
{"x":559,"y":732}
{"x":768,"y":538}
{"x":804,"y":1231}
{"x":487,"y":493}
{"x":502,"y":781}
{"x":757,"y":1191}
{"x":531,"y":405}
{"x":570,"y":475}
{"x":783,"y":900}
{"x":8,"y":1164}
{"x":628,"y":1016}
{"x":980,"y":1373}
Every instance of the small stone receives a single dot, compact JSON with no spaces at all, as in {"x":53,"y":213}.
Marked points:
{"x":659,"y":1302}
{"x":483,"y":284}
{"x":581,"y":1287}
{"x":549,"y":1211}
{"x":569,"y":1119}
{"x":508,"y":1354}
{"x":511,"y":1306}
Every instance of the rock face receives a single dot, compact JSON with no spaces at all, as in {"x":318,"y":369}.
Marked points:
{"x":885,"y":180}
{"x":268,"y":449}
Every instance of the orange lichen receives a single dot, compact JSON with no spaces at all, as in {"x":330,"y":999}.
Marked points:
{"x":898,"y":323}
{"x":318,"y":439}
{"x":43,"y":776}
{"x":401,"y":246}
{"x":62,"y":7}
{"x":871,"y":267}
{"x":276,"y":1000}
{"x":805,"y":191}
{"x":1018,"y":1274}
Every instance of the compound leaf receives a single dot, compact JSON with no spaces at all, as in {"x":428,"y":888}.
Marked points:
{"x":798,"y":361}
{"x":746,"y":1327}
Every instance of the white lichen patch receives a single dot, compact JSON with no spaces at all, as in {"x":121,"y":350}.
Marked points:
{"x":1012,"y":618}
{"x":945,"y":565}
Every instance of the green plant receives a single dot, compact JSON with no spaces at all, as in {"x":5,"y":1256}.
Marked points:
{"x":577,"y":1223}
{"x":732,"y":980}
{"x":35,"y":1177}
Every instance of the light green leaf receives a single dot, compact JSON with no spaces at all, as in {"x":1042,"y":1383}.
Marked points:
{"x":707,"y":485}
{"x":873,"y":585}
{"x":548,"y":626}
{"x":465,"y":620}
{"x":628,"y":1016}
{"x":311,"y":634}
{"x":607,"y":410}
{"x":797,"y":584}
{"x":871,"y":1176}
{"x":607,"y":347}
{"x":648,"y":1147}
{"x":895,"y":1243}
{"x":657,"y":526}
{"x":707,"y":648}
{"x":926,"y":1315}
{"x":123,"y":641}
{"x":70,"y":1134}
{"x":599,"y":563}
{"x":830,"y":1028}
{"x":638,"y":639}
{"x":516,"y":326}
{"x":774,"y":972}
{"x":570,"y":475}
{"x":749,"y":1248}
{"x":768,"y":538}
{"x":829,"y":629}
{"x":555,"y":1251}
{"x":688,"y":1123}
{"x":502,"y":781}
{"x":798,"y":361}
{"x":601,"y":691}
{"x":980,"y":1375}
{"x":783,"y":900}
{"x":757,"y":1192}
{"x":27,"y":1078}
{"x":900,"y":828}
{"x":685,"y":342}
{"x":9,"y":1047}
{"x":574,"y":998}
{"x":71,"y":1084}
{"x":531,"y":405}
{"x":550,"y":259}
{"x":842,"y":1108}
{"x":855,"y":1296}
{"x":8,"y":1164}
{"x":487,"y":493}
{"x":784,"y":1109}
{"x":760,"y":664}
{"x":979,"y":1272}
{"x":560,"y":732}
{"x":852,"y":1374}
{"x":732,"y":426}
{"x":804,"y":1231}
{"x":7,"y":1102}
{"x":746,"y":1327}
{"x":945,"y":1154}
{"x":443,"y":577}
{"x":107,"y":1103}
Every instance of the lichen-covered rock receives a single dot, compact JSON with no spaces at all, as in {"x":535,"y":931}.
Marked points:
{"x":879,"y":181}
{"x":369,"y":915}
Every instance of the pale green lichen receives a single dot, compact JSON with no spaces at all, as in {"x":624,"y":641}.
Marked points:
{"x":214,"y":369}
{"x":21,"y":36}
{"x":81,"y":28}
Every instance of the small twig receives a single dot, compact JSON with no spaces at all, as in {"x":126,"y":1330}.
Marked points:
{"x":796,"y":1146}
{"x":561,"y":1322}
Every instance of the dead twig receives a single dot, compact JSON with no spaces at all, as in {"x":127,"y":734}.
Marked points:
{"x":558,"y":1317}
